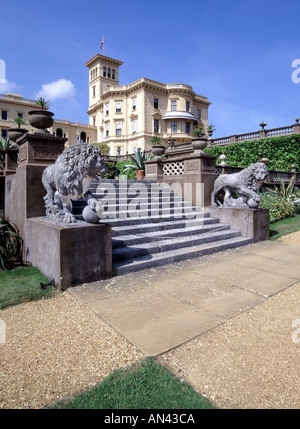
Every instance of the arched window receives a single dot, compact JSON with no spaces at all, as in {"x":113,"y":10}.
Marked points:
{"x":113,"y":74}
{"x":108,"y":73}
{"x":59,"y":132}
{"x":82,"y":137}
{"x":104,"y":71}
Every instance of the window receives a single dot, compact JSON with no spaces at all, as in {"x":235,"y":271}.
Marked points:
{"x":108,"y":73}
{"x":187,"y":128}
{"x":187,"y":106}
{"x":134,"y":104}
{"x":20,"y":115}
{"x":173,"y":105}
{"x":4,"y":115}
{"x":59,"y":132}
{"x":94,"y":120}
{"x":198,"y":114}
{"x":118,"y":128}
{"x":156,"y":125}
{"x":82,"y":137}
{"x":104,"y":71}
{"x":4,"y":134}
{"x":106,"y":109}
{"x":174,"y":126}
{"x":155,"y":103}
{"x":118,"y":107}
{"x":113,"y":74}
{"x":94,"y":91}
{"x":107,"y":130}
{"x":134,"y":126}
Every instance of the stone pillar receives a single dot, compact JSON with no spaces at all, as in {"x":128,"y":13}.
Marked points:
{"x":24,"y":190}
{"x":154,"y":169}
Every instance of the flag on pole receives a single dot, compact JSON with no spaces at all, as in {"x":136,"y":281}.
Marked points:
{"x":102,"y":45}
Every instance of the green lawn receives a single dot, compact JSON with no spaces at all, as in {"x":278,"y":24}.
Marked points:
{"x":22,"y":285}
{"x":284,"y":227}
{"x":146,"y":385}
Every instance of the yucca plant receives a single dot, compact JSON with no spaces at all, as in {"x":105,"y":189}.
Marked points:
{"x":4,"y":143}
{"x":138,"y":161}
{"x":11,"y":244}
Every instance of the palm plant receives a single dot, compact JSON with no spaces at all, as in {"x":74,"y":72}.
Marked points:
{"x":19,"y":121}
{"x":155,"y":140}
{"x":43,"y":103}
{"x":198,"y":132}
{"x":11,"y":244}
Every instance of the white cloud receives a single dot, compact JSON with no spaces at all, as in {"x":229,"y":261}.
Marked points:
{"x":61,"y":88}
{"x":6,"y":86}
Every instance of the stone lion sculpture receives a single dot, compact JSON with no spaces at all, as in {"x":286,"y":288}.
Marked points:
{"x":69,"y":178}
{"x":241,"y":188}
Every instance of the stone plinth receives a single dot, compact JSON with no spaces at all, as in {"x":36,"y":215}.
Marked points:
{"x":70,"y":254}
{"x":42,"y":149}
{"x":252,"y":223}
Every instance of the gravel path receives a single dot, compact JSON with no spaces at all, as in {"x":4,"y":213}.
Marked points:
{"x":55,"y":349}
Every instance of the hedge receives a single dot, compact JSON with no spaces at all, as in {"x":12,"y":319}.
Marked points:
{"x":281,"y":151}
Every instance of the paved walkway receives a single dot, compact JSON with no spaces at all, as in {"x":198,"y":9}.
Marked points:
{"x":162,"y":308}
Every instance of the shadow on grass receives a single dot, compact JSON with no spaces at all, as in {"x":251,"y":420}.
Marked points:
{"x":146,"y":385}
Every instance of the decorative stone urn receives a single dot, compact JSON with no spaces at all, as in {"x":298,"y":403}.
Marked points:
{"x":15,"y":133}
{"x":199,"y":144}
{"x":158,"y":149}
{"x":41,"y":119}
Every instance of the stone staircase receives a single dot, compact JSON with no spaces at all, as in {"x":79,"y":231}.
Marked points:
{"x":152,"y":226}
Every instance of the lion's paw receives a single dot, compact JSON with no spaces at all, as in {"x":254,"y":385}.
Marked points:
{"x":69,"y":218}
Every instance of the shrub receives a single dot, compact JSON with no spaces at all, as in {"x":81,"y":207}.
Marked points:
{"x":279,"y":207}
{"x":112,"y":170}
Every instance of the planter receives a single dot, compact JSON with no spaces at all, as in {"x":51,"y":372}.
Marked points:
{"x":41,"y":119}
{"x":15,"y":133}
{"x":199,"y":144}
{"x":158,"y":149}
{"x":140,"y":174}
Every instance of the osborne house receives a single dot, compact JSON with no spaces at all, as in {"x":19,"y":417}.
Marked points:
{"x":125,"y":117}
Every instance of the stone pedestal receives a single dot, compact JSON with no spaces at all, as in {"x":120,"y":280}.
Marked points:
{"x":70,"y":254}
{"x":39,"y":149}
{"x":252,"y":223}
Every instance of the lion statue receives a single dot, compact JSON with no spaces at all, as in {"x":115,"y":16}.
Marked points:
{"x":69,"y":178}
{"x":244,"y":184}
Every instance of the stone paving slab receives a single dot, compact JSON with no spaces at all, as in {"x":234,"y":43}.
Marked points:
{"x":153,"y":320}
{"x":160,"y":308}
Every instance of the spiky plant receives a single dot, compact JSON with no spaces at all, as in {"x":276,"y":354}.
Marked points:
{"x":138,"y":161}
{"x":43,"y":103}
{"x":11,"y":244}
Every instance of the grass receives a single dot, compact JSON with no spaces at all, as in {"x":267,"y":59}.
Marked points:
{"x":146,"y":385}
{"x":22,"y":285}
{"x":284,"y":227}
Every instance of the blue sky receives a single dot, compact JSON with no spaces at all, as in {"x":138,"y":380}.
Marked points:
{"x":237,"y":53}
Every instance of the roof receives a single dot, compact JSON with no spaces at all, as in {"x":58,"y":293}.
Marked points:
{"x":107,"y":59}
{"x":177,"y":114}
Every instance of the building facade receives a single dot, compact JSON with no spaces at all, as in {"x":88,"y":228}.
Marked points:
{"x":128,"y":116}
{"x":14,"y":105}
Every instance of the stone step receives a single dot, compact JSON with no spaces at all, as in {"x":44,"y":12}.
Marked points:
{"x":164,"y":245}
{"x":127,"y":235}
{"x":177,"y":255}
{"x":157,"y":220}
